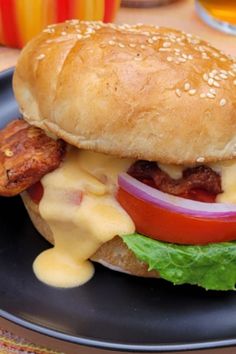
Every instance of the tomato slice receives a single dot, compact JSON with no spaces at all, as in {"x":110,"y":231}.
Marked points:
{"x":165,"y":225}
{"x":36,"y":192}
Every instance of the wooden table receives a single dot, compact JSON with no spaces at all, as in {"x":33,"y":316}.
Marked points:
{"x":180,"y":15}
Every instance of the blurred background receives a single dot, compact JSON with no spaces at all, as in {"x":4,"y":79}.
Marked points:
{"x":20,"y":20}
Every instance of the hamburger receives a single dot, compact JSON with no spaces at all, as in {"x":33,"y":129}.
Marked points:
{"x":126,"y":154}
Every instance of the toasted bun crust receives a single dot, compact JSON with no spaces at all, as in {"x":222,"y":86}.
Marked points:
{"x":133,"y":91}
{"x":113,"y":254}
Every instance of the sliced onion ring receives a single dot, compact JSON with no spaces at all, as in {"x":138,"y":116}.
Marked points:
{"x":173,"y":203}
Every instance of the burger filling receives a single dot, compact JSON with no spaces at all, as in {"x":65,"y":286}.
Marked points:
{"x":198,"y":183}
{"x":180,"y":221}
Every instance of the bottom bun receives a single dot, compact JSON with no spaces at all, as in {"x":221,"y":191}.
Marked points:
{"x":113,"y":254}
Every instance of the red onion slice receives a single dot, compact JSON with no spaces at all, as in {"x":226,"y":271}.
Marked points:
{"x":173,"y":203}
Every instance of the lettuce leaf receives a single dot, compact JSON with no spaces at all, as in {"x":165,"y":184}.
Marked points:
{"x":211,"y":266}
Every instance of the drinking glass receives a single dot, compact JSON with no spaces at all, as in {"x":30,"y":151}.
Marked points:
{"x":220,"y":14}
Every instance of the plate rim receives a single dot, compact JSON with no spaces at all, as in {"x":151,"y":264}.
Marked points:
{"x":100,"y":344}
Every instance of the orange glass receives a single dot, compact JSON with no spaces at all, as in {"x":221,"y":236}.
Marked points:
{"x":20,"y":20}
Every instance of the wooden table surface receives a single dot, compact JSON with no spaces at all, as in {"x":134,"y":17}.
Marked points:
{"x":179,"y":15}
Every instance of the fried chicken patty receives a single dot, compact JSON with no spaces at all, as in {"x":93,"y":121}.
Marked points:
{"x":27,"y":153}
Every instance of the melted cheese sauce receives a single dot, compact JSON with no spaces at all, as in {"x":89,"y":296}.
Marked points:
{"x":174,"y":171}
{"x":79,"y":206}
{"x":227,"y":170}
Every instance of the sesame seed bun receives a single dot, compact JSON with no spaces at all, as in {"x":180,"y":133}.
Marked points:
{"x":113,"y":254}
{"x":132,"y":91}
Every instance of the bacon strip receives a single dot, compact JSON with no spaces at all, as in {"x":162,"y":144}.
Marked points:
{"x":194,"y":179}
{"x":26,"y":155}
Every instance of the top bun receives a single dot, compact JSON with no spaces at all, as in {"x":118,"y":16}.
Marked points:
{"x":130,"y":90}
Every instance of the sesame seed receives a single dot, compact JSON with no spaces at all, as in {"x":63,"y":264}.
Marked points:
{"x":192,"y":92}
{"x":63,"y":33}
{"x":178,"y":92}
{"x":137,"y":58}
{"x":111,"y":42}
{"x":121,"y":45}
{"x":216,"y":77}
{"x":210,"y":95}
{"x":213,"y":91}
{"x":223,"y":102}
{"x":169,"y":59}
{"x":202,"y":95}
{"x":132,"y":45}
{"x":74,"y":22}
{"x":223,"y":59}
{"x":187,"y":86}
{"x":181,"y":60}
{"x":223,"y":76}
{"x":211,"y":75}
{"x":201,"y":49}
{"x":90,"y":30}
{"x":150,"y":41}
{"x":200,"y":159}
{"x":216,"y":84}
{"x":234,"y":82}
{"x":79,"y":36}
{"x":142,"y":46}
{"x":155,"y":38}
{"x":190,"y":57}
{"x":210,"y":82}
{"x":8,"y":153}
{"x":166,"y":44}
{"x":164,"y":49}
{"x":49,"y":30}
{"x":40,"y":57}
{"x":205,"y":77}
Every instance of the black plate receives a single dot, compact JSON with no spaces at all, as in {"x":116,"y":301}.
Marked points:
{"x":113,"y":310}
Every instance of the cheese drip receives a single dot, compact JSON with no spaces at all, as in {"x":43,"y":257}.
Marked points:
{"x":80,"y":208}
{"x":174,"y":171}
{"x":227,"y":170}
